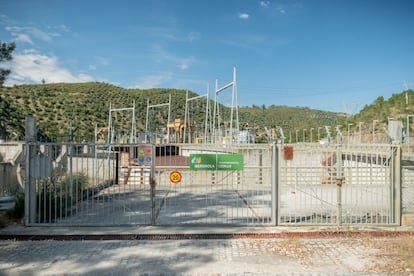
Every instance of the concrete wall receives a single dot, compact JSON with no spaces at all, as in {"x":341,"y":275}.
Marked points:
{"x":10,"y":151}
{"x":97,"y":170}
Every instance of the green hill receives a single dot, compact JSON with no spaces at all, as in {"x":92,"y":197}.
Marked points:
{"x":398,"y":106}
{"x":86,"y":106}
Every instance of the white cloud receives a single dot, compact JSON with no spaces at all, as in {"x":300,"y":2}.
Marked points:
{"x":192,"y":36}
{"x":30,"y":66}
{"x":162,"y":56}
{"x":30,"y":32}
{"x":98,"y":61}
{"x":23,"y":38}
{"x":281,"y":9}
{"x":102,"y":61}
{"x":183,"y":66}
{"x":244,"y":15}
{"x":152,"y":81}
{"x":58,"y":29}
{"x":264,"y":3}
{"x":247,"y":41}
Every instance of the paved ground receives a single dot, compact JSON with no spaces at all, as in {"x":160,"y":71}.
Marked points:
{"x":289,"y":252}
{"x":186,"y":257}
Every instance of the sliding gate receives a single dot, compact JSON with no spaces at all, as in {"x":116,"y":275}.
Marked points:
{"x":312,"y":184}
{"x":218,"y":196}
{"x":68,"y":184}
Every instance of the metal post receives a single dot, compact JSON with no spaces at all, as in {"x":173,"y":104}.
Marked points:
{"x":207,"y":111}
{"x":152,"y":187}
{"x":147,"y":122}
{"x":339,"y":180}
{"x":396,"y":185}
{"x":275,"y":184}
{"x":408,"y":130}
{"x":30,"y":184}
{"x":70,"y":153}
{"x":185,"y":117}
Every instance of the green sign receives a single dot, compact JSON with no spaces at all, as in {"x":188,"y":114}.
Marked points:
{"x":219,"y":162}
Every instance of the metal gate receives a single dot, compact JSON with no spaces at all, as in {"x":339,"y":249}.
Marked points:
{"x":301,"y":184}
{"x":93,"y":184}
{"x":339,"y":184}
{"x":215,"y":196}
{"x":85,"y":184}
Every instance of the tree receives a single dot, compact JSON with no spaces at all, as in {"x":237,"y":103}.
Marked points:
{"x":6,"y":50}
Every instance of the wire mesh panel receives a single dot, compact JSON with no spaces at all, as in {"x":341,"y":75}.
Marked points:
{"x":215,"y":196}
{"x":332,"y":184}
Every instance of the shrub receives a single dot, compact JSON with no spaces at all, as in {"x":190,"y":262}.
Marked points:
{"x":55,"y":198}
{"x":79,"y":183}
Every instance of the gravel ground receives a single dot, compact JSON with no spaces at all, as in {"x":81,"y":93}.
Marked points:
{"x":247,"y":256}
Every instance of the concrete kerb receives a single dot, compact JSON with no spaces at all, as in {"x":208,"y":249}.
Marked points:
{"x":19,"y":232}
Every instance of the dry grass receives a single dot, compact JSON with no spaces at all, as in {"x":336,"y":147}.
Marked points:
{"x":395,"y":254}
{"x":390,"y":255}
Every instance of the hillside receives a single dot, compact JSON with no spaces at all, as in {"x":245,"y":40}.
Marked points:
{"x":86,"y":106}
{"x":375,"y":117}
{"x":290,"y":119}
{"x":398,"y":106}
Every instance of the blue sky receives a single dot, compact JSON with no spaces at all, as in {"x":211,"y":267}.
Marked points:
{"x":329,"y":55}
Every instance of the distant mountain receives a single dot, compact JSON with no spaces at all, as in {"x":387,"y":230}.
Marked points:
{"x":85,"y":106}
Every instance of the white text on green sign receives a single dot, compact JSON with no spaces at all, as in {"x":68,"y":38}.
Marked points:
{"x":229,"y":162}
